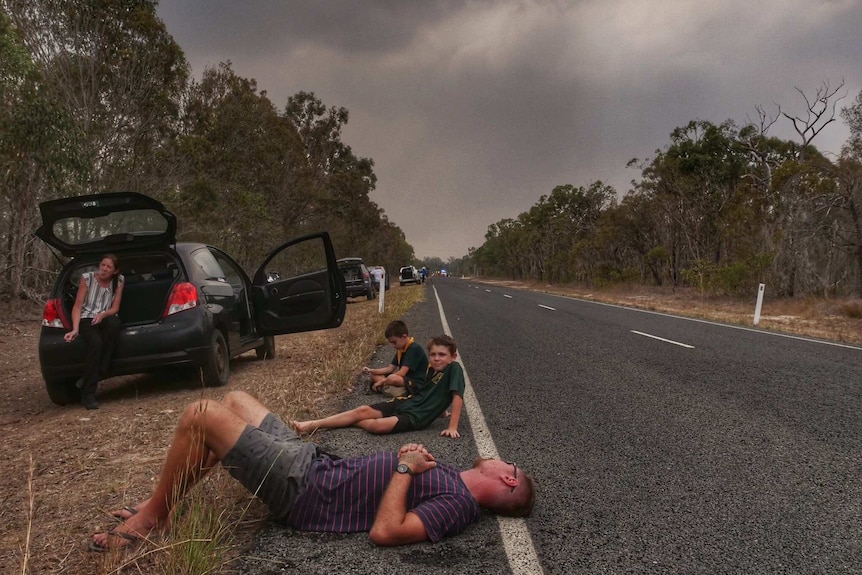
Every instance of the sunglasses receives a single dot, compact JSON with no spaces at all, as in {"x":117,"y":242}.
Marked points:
{"x":515,"y":467}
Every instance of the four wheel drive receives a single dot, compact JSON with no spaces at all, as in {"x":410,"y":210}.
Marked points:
{"x":408,"y":275}
{"x":357,"y":278}
{"x":184,"y":304}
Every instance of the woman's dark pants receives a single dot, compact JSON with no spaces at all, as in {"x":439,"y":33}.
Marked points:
{"x":101,"y":340}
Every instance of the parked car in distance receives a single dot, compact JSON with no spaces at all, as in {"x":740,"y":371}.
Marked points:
{"x":408,"y":275}
{"x":385,"y":276}
{"x":184,"y":304}
{"x":357,"y":278}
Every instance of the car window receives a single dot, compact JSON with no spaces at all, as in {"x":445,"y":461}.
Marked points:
{"x":79,"y":231}
{"x":351,"y":272}
{"x":204,"y":259}
{"x":232,"y":273}
{"x":299,"y":260}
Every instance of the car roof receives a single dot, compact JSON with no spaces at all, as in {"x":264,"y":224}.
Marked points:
{"x":100,"y":223}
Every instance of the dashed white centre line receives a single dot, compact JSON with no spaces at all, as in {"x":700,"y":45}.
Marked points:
{"x":663,"y":339}
{"x":507,"y":295}
{"x":548,"y":307}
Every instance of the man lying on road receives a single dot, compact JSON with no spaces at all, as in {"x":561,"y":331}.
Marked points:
{"x":404,"y":497}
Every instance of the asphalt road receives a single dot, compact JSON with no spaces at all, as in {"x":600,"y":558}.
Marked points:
{"x":711,"y":450}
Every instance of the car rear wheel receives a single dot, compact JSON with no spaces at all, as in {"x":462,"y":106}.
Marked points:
{"x":267,"y":350}
{"x":62,"y":391}
{"x":216,"y":370}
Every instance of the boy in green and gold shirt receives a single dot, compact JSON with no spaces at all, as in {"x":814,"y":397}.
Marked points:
{"x":406,"y":374}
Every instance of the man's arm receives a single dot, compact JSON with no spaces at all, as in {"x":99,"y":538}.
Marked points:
{"x":394,"y":524}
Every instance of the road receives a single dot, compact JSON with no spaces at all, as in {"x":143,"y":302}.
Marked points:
{"x":659,"y":444}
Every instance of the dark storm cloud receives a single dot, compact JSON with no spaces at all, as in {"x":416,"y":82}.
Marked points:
{"x":471,"y":110}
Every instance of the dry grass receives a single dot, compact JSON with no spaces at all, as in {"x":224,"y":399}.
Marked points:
{"x":87,"y":463}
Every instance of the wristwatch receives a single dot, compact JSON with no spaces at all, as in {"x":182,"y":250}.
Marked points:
{"x":404,"y":468}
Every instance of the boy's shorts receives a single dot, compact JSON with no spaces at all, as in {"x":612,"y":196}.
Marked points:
{"x":390,"y":409}
{"x":271,"y":461}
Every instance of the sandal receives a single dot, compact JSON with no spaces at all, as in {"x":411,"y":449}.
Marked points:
{"x":123,"y":513}
{"x":130,"y":538}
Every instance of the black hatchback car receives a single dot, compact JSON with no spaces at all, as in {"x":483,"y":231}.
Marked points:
{"x":184,"y":304}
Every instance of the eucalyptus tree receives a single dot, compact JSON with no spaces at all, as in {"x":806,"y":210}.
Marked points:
{"x":842,"y":207}
{"x":114,"y":69}
{"x":558,"y":222}
{"x":38,"y":154}
{"x":630,"y":233}
{"x":340,"y":181}
{"x":505,"y":252}
{"x":241,"y":159}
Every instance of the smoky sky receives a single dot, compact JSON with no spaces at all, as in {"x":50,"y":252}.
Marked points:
{"x":472,"y":110}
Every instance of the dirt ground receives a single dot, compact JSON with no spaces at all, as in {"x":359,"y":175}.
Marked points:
{"x":65,"y":467}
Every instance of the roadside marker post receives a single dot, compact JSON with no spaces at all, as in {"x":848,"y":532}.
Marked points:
{"x":382,"y":286}
{"x":759,"y":305}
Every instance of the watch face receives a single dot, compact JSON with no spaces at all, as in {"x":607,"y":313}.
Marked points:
{"x":402,"y":468}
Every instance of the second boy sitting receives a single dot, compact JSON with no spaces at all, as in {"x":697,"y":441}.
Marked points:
{"x":444,"y":384}
{"x":406,"y":374}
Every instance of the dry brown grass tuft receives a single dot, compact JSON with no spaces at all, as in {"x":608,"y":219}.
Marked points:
{"x":852,"y":309}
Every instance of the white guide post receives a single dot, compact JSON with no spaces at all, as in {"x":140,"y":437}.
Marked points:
{"x":382,"y":294}
{"x":760,"y":289}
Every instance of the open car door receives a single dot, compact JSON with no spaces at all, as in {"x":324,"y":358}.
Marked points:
{"x":299,"y":287}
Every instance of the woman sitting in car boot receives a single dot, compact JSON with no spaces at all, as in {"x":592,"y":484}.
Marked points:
{"x":94,"y":318}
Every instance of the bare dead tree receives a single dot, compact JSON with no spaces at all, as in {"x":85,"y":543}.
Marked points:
{"x":821,"y":110}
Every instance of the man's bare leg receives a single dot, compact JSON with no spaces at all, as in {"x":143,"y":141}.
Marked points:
{"x":207,"y":430}
{"x":245,"y":407}
{"x":343,"y":419}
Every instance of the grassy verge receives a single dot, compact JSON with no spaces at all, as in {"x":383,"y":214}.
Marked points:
{"x":214,"y":524}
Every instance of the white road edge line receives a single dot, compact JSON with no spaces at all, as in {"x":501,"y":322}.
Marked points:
{"x":663,"y":339}
{"x":548,"y":307}
{"x":516,"y":538}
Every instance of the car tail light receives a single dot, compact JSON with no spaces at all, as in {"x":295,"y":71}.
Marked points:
{"x":184,"y":296}
{"x":54,"y":315}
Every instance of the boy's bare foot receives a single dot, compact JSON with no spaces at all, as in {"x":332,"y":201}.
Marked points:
{"x":303,"y":426}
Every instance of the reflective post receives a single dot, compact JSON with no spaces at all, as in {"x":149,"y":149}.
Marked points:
{"x":760,"y":289}
{"x":382,"y":293}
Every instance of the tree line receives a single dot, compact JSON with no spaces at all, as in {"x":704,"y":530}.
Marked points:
{"x":721,"y":208}
{"x":97,"y":97}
